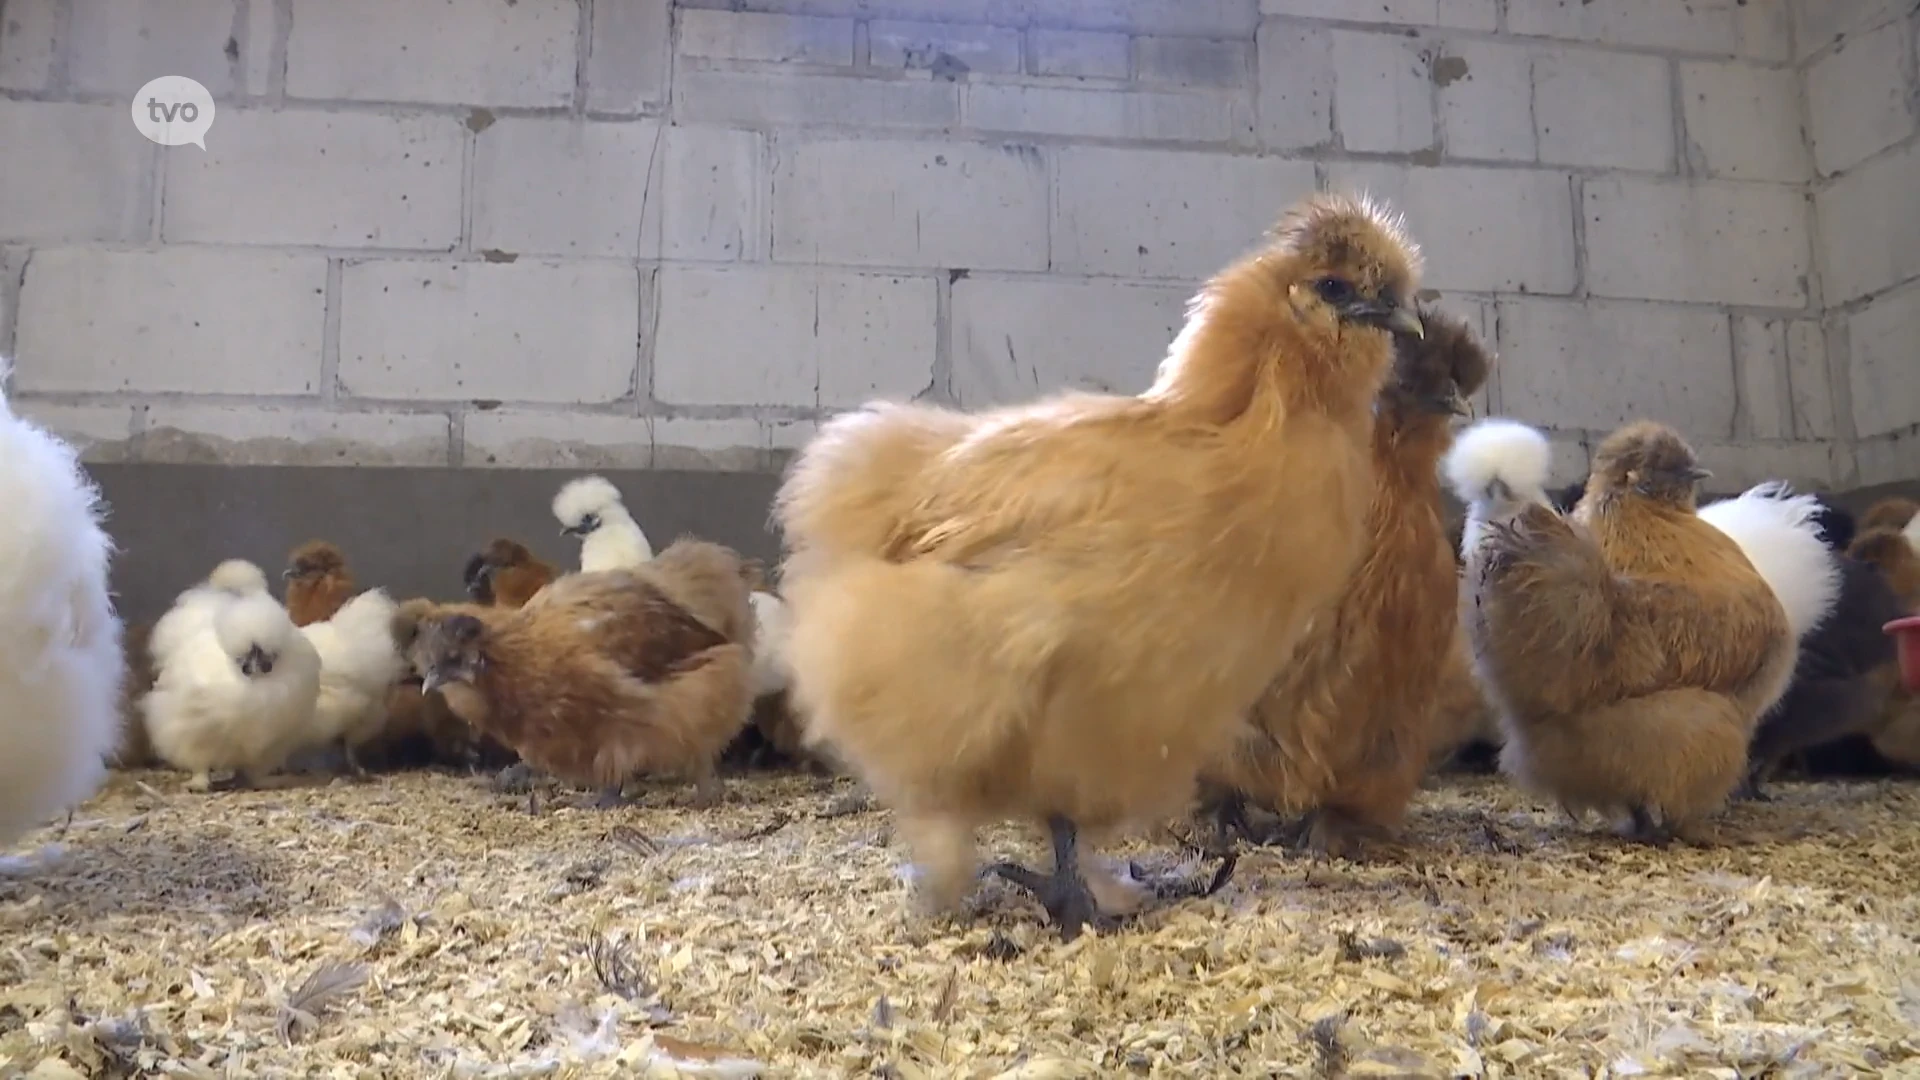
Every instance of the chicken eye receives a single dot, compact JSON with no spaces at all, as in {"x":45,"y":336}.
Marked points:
{"x":1333,"y":290}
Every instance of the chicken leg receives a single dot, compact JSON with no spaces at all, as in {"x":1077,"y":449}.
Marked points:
{"x":1063,"y":893}
{"x":1647,"y":831}
{"x":611,"y":797}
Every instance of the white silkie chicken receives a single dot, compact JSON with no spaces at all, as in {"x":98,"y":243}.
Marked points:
{"x":192,"y":612}
{"x":238,"y":694}
{"x":590,"y":508}
{"x":359,"y":663}
{"x":61,"y":665}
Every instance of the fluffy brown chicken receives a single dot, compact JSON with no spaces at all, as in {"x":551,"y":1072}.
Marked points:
{"x":506,"y":574}
{"x":1630,"y":655}
{"x":1897,"y":735}
{"x":1462,"y":713}
{"x":1346,"y":730}
{"x":600,"y":678}
{"x":1061,"y":611}
{"x":1893,"y":512}
{"x":318,"y":582}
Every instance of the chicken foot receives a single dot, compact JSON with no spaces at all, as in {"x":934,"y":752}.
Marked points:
{"x":611,"y":797}
{"x":1647,"y":831}
{"x":1064,"y":893}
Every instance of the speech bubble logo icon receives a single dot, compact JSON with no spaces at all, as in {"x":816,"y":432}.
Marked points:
{"x":173,"y":110}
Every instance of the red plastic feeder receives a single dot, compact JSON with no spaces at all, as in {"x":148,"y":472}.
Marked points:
{"x":1906,"y":632}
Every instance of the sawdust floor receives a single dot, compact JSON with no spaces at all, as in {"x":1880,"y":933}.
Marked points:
{"x":470,"y":937}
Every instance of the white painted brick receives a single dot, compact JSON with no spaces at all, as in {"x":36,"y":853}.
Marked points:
{"x":559,"y":186}
{"x":69,"y":172}
{"x":1014,"y":340}
{"x":1819,"y":23}
{"x":101,"y":433}
{"x":1760,"y":369}
{"x":257,"y":46}
{"x":270,"y":435}
{"x":749,"y":35}
{"x":1705,"y":243}
{"x":1598,"y":364}
{"x":525,"y":331}
{"x":1722,"y":27}
{"x":1295,"y":102}
{"x":1744,"y":122}
{"x":29,"y":32}
{"x":1810,"y":379}
{"x":181,"y":320}
{"x":864,"y":202}
{"x":1485,"y":92}
{"x":357,"y":179}
{"x":713,"y":201}
{"x":1859,"y":99}
{"x":1883,"y":370}
{"x":1807,"y":466}
{"x":1082,"y":53}
{"x":784,"y":435}
{"x":1191,"y":18}
{"x":997,"y":12}
{"x":457,"y":52}
{"x":1189,"y":116}
{"x":118,"y":45}
{"x":1462,"y":14}
{"x":1603,"y":109}
{"x":767,"y":99}
{"x":1164,"y":213}
{"x":943,"y":47}
{"x":13,"y":266}
{"x":523,"y":439}
{"x":630,"y":55}
{"x":1886,"y":460}
{"x":1482,"y":230}
{"x":753,"y":335}
{"x":728,"y":445}
{"x":1383,"y":92}
{"x":1869,"y":238}
{"x":1188,"y":61}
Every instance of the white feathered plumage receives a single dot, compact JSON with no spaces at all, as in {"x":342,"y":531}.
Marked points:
{"x":60,"y":661}
{"x":238,"y":693}
{"x":590,"y":507}
{"x":359,"y":663}
{"x":1497,"y":467}
{"x":770,"y":671}
{"x":193,"y":611}
{"x":1780,"y":533}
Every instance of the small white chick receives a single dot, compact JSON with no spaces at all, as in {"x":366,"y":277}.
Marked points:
{"x":590,"y":507}
{"x":359,"y":663}
{"x":239,"y":694}
{"x":193,"y":612}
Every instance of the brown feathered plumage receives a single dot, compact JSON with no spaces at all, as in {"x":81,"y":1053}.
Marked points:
{"x":1348,"y":727}
{"x":1892,"y":512}
{"x":600,"y":678}
{"x":1631,"y":651}
{"x":506,"y":574}
{"x":1897,"y":736}
{"x":1462,"y":713}
{"x":318,"y":582}
{"x":1060,"y":611}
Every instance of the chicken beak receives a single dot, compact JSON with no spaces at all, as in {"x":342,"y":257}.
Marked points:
{"x":256,"y":662}
{"x":430,"y":682}
{"x":1404,"y":320}
{"x":288,"y":574}
{"x":1698,"y":474}
{"x":1459,"y":405}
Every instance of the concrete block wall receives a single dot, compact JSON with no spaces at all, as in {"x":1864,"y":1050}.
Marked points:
{"x":1862,"y":85}
{"x":642,"y":233}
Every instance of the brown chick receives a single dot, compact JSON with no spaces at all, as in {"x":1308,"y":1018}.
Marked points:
{"x":1893,"y":512}
{"x":602,"y":678}
{"x":1897,"y":735}
{"x":1061,"y":611}
{"x":1347,"y":728}
{"x":506,"y":574}
{"x":1630,"y":658}
{"x":416,"y":717}
{"x":318,"y":582}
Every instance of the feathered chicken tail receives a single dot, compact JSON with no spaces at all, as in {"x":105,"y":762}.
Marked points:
{"x":1781,"y":535}
{"x":1497,"y":467}
{"x":847,"y":491}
